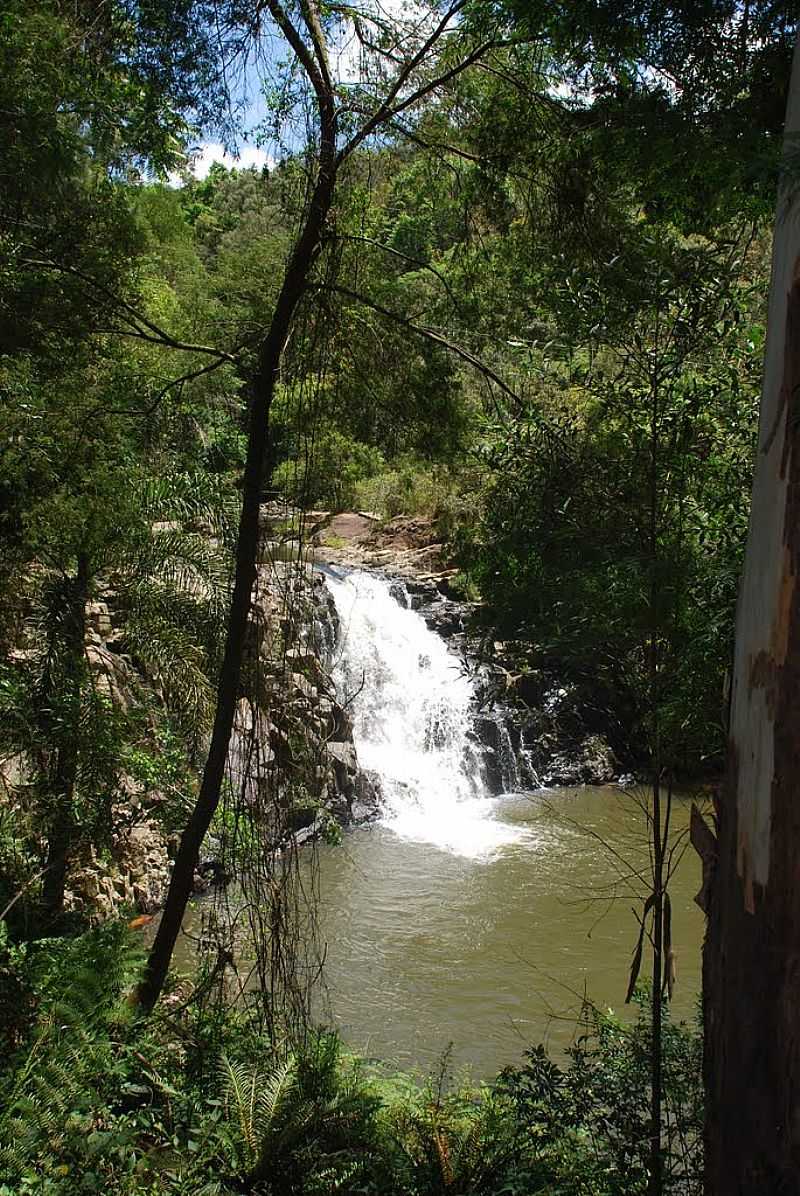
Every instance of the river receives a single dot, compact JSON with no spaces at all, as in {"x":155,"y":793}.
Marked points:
{"x":460,"y":918}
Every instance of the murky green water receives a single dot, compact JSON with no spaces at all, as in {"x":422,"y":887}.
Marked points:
{"x":425,"y":947}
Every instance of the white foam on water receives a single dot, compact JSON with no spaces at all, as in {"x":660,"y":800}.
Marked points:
{"x":410,"y":705}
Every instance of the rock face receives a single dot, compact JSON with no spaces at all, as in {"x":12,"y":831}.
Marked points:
{"x":136,"y":876}
{"x":292,"y":755}
{"x":293,"y":742}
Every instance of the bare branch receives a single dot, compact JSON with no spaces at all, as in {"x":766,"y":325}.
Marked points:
{"x":134,"y":318}
{"x":428,"y":334}
{"x":386,"y":111}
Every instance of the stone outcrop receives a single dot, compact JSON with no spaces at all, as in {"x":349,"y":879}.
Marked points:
{"x":136,"y":875}
{"x":292,"y":747}
{"x":290,"y":719}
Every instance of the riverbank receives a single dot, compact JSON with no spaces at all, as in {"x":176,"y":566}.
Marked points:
{"x":200,"y":1100}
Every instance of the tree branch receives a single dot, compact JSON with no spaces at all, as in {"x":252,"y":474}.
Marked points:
{"x":428,"y":334}
{"x":319,"y":81}
{"x":133,"y":317}
{"x":385,"y":110}
{"x":311,"y":18}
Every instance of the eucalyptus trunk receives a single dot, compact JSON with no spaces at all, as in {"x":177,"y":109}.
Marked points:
{"x":752,"y":952}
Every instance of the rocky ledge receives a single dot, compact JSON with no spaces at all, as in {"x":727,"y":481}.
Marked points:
{"x":292,"y":749}
{"x":292,"y":754}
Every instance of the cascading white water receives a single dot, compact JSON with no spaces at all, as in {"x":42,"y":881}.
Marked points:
{"x":410,"y":704}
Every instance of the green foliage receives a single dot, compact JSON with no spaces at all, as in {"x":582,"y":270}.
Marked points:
{"x":326,"y":470}
{"x":411,"y":488}
{"x":77,"y":722}
{"x":305,"y":1125}
{"x":685,"y":102}
{"x":589,"y":1123}
{"x":53,"y":1086}
{"x":95,"y":1098}
{"x":615,"y":504}
{"x":458,"y":1142}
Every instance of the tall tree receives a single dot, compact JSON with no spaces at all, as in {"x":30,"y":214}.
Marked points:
{"x":411,"y":66}
{"x":751,"y":958}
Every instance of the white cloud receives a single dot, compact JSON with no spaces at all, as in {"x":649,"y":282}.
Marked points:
{"x":213,"y":151}
{"x":209,"y":152}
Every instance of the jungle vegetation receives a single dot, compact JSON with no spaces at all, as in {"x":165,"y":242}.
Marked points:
{"x":512,"y":277}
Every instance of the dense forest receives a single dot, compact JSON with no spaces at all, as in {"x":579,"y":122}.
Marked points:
{"x":501,"y":277}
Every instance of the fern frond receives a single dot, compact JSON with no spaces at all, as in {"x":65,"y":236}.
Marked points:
{"x":275,"y":1094}
{"x":240,"y":1087}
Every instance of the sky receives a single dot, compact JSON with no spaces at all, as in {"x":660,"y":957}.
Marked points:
{"x":345,"y":61}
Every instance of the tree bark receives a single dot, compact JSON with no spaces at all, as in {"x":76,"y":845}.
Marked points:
{"x":295,"y":284}
{"x":752,"y":954}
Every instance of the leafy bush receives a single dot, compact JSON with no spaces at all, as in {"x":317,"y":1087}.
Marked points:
{"x":303,"y":1124}
{"x":590,"y":1122}
{"x":562,"y":553}
{"x":195,"y":1100}
{"x":464,"y":1142}
{"x":55,"y":1082}
{"x":326,"y":471}
{"x":411,"y":487}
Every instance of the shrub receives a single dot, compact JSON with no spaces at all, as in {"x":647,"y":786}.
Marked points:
{"x":590,"y":1121}
{"x":327,"y":470}
{"x":412,"y":488}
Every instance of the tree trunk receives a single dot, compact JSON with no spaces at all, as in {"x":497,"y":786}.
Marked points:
{"x":752,"y":951}
{"x":295,"y":283}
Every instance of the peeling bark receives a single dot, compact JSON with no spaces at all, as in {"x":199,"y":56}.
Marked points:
{"x":752,"y":952}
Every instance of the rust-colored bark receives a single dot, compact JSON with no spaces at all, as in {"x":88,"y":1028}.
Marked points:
{"x":752,"y":952}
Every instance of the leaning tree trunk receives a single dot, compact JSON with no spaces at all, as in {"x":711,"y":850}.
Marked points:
{"x":295,"y":284}
{"x":752,"y":951}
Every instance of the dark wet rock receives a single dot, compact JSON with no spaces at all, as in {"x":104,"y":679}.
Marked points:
{"x":210,"y":874}
{"x":400,"y":594}
{"x":301,"y":739}
{"x":344,"y":764}
{"x":214,"y":869}
{"x":445,"y":617}
{"x":367,"y":798}
{"x":592,"y":763}
{"x":299,"y":818}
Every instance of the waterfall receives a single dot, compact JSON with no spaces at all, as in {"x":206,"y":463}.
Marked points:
{"x":410,"y":704}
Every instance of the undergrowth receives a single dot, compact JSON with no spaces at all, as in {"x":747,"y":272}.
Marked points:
{"x":194,"y":1100}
